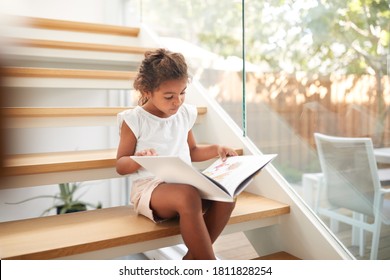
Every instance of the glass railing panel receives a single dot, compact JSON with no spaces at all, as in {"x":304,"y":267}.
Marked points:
{"x":323,"y":69}
{"x":209,"y":34}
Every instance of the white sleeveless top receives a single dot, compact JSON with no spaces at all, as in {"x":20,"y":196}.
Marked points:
{"x":168,"y":136}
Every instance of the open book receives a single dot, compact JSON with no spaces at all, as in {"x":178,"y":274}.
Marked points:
{"x":222,"y":180}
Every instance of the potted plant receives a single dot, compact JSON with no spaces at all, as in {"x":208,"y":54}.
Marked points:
{"x":66,"y":203}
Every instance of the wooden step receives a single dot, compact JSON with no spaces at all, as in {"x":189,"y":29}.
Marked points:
{"x":117,"y":228}
{"x":278,"y":256}
{"x":55,"y":112}
{"x":66,"y":45}
{"x":26,"y":170}
{"x":39,"y":163}
{"x":38,"y":169}
{"x":40,"y":42}
{"x":28,"y":117}
{"x":30,"y":72}
{"x":44,"y":112}
{"x":67,"y":78}
{"x":41,"y":52}
{"x":74,"y":26}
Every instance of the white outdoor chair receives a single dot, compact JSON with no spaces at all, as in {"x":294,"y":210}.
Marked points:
{"x":351,"y":182}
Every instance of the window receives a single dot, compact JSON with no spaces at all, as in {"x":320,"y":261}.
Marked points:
{"x":310,"y":66}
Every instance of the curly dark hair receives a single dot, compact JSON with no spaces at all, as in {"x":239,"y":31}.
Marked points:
{"x":158,"y":66}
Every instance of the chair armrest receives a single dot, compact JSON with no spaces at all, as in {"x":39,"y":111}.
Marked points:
{"x":384,"y":191}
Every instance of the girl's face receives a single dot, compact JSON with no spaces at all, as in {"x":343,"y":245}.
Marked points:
{"x":167,"y":99}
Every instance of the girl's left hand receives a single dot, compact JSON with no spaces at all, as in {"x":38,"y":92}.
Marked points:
{"x":146,"y":152}
{"x":224,"y":152}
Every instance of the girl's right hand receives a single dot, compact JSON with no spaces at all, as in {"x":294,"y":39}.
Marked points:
{"x":147,"y":152}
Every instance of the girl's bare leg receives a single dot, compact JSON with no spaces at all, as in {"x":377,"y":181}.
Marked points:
{"x":216,"y":218}
{"x":170,"y":200}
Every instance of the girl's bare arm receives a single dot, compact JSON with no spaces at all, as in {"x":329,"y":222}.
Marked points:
{"x":206,"y":152}
{"x":126,"y":148}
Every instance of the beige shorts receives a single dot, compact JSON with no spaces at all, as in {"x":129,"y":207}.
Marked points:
{"x":141,"y":193}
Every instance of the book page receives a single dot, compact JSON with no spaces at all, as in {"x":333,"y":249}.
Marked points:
{"x":236,"y":170}
{"x":232,"y":174}
{"x":174,"y":170}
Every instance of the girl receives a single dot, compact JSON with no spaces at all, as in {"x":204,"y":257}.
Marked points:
{"x":161,"y":125}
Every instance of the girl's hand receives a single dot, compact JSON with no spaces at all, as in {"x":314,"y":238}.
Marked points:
{"x":147,"y":152}
{"x":224,"y":152}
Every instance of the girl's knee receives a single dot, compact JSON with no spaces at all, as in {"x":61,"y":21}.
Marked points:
{"x":230,"y":206}
{"x":225,"y":206}
{"x":189,"y":199}
{"x":172,"y":199}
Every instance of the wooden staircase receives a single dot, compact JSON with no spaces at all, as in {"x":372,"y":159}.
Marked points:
{"x":115,"y":231}
{"x":112,"y":231}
